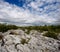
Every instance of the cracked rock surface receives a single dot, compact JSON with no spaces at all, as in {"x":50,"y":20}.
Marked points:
{"x":19,"y":41}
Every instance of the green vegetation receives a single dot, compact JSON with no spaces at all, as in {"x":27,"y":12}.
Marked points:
{"x":24,"y":41}
{"x":4,"y":27}
{"x":52,"y":29}
{"x":51,"y":34}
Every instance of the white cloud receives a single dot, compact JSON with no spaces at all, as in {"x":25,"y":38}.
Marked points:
{"x":16,"y":15}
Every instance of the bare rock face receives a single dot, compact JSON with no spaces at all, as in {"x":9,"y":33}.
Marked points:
{"x":18,"y":41}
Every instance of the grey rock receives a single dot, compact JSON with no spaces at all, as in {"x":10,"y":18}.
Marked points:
{"x":34,"y":42}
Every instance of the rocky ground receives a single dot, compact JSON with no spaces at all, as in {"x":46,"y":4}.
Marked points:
{"x":19,"y":41}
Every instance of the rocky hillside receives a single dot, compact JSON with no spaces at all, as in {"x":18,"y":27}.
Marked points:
{"x":20,"y":41}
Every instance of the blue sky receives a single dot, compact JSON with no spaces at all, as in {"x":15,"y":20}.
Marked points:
{"x":30,"y":12}
{"x":16,"y":2}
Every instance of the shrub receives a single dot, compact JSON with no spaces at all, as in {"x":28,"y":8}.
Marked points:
{"x":51,"y":34}
{"x":4,"y":27}
{"x":52,"y":28}
{"x":23,"y":41}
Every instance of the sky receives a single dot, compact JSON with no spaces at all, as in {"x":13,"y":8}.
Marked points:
{"x":30,"y":12}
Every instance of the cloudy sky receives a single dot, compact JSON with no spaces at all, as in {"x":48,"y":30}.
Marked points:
{"x":30,"y":12}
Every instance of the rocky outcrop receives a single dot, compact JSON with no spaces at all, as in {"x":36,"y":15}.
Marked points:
{"x":19,"y":41}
